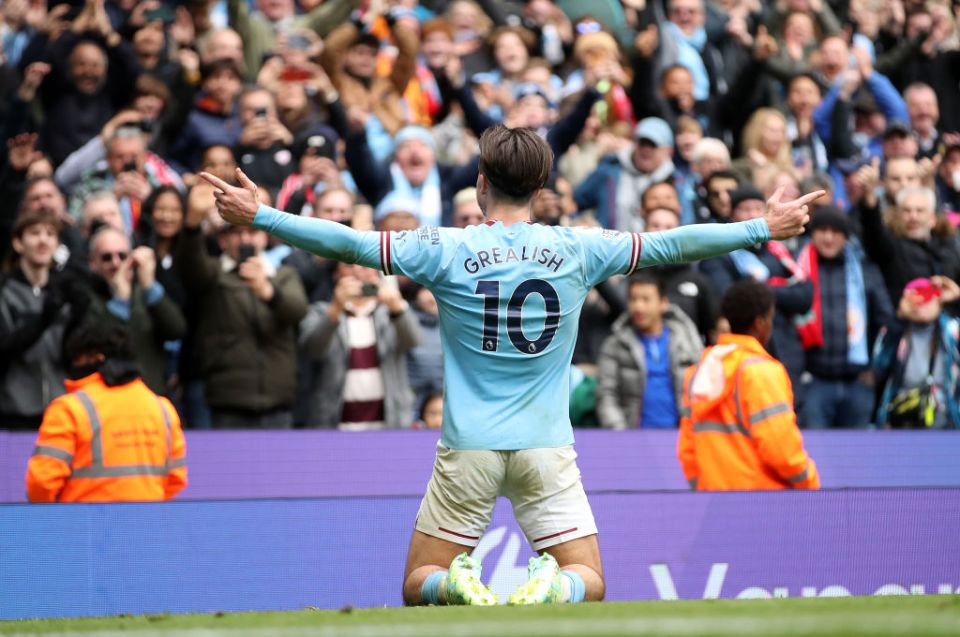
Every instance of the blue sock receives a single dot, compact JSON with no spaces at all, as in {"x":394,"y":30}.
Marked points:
{"x":430,"y":592}
{"x":578,"y":590}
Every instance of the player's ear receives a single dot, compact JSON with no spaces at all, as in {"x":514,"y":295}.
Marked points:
{"x":482,"y":184}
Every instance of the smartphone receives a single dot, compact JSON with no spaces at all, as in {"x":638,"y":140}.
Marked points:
{"x":260,"y":113}
{"x":163,"y":13}
{"x":299,"y":42}
{"x":146,"y":125}
{"x":130,"y":167}
{"x":294,"y":74}
{"x":369,"y":289}
{"x":245,"y":252}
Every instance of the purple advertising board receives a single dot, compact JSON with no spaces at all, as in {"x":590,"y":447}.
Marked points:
{"x":312,"y":463}
{"x":201,"y":556}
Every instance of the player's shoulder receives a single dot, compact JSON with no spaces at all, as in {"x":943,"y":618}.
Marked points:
{"x":589,"y":235}
{"x":427,"y":236}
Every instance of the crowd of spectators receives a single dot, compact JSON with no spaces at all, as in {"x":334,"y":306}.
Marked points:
{"x":366,"y":112}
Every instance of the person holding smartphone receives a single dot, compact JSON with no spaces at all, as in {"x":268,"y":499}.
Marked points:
{"x":244,"y":332}
{"x":263,"y":149}
{"x":357,"y":345}
{"x":130,"y":173}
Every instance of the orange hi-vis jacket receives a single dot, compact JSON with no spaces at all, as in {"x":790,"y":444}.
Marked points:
{"x":738,"y":430}
{"x":102,"y":443}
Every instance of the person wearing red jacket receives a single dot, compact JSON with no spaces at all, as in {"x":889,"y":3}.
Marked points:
{"x":109,"y":439}
{"x":738,"y":428}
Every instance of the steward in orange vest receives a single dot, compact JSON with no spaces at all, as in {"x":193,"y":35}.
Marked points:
{"x":110,"y":439}
{"x":738,"y":429}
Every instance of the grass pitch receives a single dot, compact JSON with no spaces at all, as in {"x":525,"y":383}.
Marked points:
{"x":841,"y":617}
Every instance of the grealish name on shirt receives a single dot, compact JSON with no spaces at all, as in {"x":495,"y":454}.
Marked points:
{"x":495,"y":256}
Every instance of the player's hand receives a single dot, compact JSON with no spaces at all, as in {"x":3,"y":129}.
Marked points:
{"x":236,"y":205}
{"x":787,"y":218}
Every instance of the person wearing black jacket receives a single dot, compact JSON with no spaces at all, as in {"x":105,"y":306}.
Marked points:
{"x":912,"y":247}
{"x":38,"y":305}
{"x":82,"y":78}
{"x":850,"y":307}
{"x":769,"y":263}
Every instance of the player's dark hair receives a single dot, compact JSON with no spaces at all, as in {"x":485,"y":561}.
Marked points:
{"x":745,"y":301}
{"x":644,"y":277}
{"x":515,"y":161}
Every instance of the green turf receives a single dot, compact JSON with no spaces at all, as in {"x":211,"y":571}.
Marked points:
{"x":840,"y":617}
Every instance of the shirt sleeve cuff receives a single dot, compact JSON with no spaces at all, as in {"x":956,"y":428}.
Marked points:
{"x":153,"y":294}
{"x":263,"y":217}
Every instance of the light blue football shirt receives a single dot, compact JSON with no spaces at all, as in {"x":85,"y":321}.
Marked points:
{"x":510,"y":300}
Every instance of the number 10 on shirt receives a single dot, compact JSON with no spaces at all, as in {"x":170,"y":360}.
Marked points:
{"x":490,"y":290}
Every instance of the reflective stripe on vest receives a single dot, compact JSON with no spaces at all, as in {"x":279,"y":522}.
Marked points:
{"x":800,"y":477}
{"x":96,"y":468}
{"x":96,"y":443}
{"x":722,"y":427}
{"x":53,"y":452}
{"x":773,"y":410}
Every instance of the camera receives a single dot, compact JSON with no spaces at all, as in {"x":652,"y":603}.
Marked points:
{"x":146,"y":125}
{"x":260,"y":113}
{"x":369,"y":289}
{"x":130,"y":167}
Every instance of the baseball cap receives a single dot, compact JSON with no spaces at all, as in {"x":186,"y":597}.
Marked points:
{"x":321,"y":139}
{"x":850,"y":165}
{"x":897,"y":127}
{"x":924,"y":288}
{"x":655,"y":130}
{"x":745,"y":192}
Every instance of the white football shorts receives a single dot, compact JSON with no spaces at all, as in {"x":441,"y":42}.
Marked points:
{"x":542,"y":484}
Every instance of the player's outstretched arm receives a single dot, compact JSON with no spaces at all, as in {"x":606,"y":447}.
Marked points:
{"x":703,"y":241}
{"x":241,"y":206}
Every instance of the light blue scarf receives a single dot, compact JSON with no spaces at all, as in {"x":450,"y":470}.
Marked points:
{"x":688,"y":55}
{"x":428,"y":194}
{"x":749,"y":264}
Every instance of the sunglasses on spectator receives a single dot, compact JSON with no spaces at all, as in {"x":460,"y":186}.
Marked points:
{"x":589,"y":27}
{"x":107,"y":257}
{"x":717,"y":193}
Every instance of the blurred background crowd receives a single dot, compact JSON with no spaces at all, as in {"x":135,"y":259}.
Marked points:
{"x":660,"y":114}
